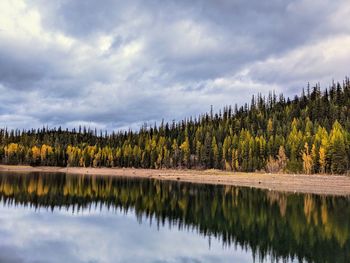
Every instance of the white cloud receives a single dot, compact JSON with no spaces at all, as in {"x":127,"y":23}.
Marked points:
{"x":317,"y":62}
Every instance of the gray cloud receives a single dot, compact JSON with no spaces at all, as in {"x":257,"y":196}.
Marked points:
{"x":116,"y":64}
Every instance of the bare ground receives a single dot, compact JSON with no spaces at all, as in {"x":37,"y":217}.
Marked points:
{"x":299,"y":183}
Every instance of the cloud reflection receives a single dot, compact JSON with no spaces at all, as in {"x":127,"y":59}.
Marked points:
{"x":101,"y":236}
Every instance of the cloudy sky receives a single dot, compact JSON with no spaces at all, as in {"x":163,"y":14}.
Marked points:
{"x":117,"y":64}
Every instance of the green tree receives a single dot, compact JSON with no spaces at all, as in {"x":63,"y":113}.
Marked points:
{"x":338,"y":149}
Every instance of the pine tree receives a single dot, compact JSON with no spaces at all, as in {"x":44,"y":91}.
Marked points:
{"x":247,"y":139}
{"x":337,"y":150}
{"x":215,"y":153}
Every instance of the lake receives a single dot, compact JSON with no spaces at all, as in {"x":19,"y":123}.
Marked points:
{"x":74,"y":218}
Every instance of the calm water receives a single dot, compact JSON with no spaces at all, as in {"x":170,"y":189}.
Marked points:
{"x":65,"y":218}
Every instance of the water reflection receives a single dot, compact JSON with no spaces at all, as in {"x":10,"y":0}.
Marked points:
{"x":271,"y":225}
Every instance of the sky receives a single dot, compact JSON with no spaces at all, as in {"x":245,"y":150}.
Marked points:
{"x":119,"y":64}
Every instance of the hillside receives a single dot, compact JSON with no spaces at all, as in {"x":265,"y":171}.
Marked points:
{"x":308,"y":134}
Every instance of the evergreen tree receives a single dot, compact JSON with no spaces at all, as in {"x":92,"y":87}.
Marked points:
{"x":338,"y":150}
{"x":269,"y":134}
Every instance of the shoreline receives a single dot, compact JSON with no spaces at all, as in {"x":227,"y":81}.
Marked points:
{"x":298,"y":183}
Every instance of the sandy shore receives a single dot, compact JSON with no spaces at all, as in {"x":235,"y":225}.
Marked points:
{"x":316,"y":184}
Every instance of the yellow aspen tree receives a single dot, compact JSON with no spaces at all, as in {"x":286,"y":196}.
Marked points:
{"x":307,"y":160}
{"x":45,"y":151}
{"x":36,"y":153}
{"x":12,"y":152}
{"x":322,"y":160}
{"x":235,"y":164}
{"x":282,"y":159}
{"x":185,"y":149}
{"x":81,"y":162}
{"x":97,"y":158}
{"x":314,"y":157}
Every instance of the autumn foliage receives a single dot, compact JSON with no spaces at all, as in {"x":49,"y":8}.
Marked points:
{"x":307,"y":134}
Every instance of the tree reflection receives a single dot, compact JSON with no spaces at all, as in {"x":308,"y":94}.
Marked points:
{"x":284,"y":226}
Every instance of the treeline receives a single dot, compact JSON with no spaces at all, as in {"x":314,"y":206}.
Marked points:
{"x":307,"y":134}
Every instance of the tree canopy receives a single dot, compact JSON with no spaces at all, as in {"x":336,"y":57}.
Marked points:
{"x":307,"y":134}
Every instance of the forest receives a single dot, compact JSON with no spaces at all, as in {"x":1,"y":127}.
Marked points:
{"x":308,"y":134}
